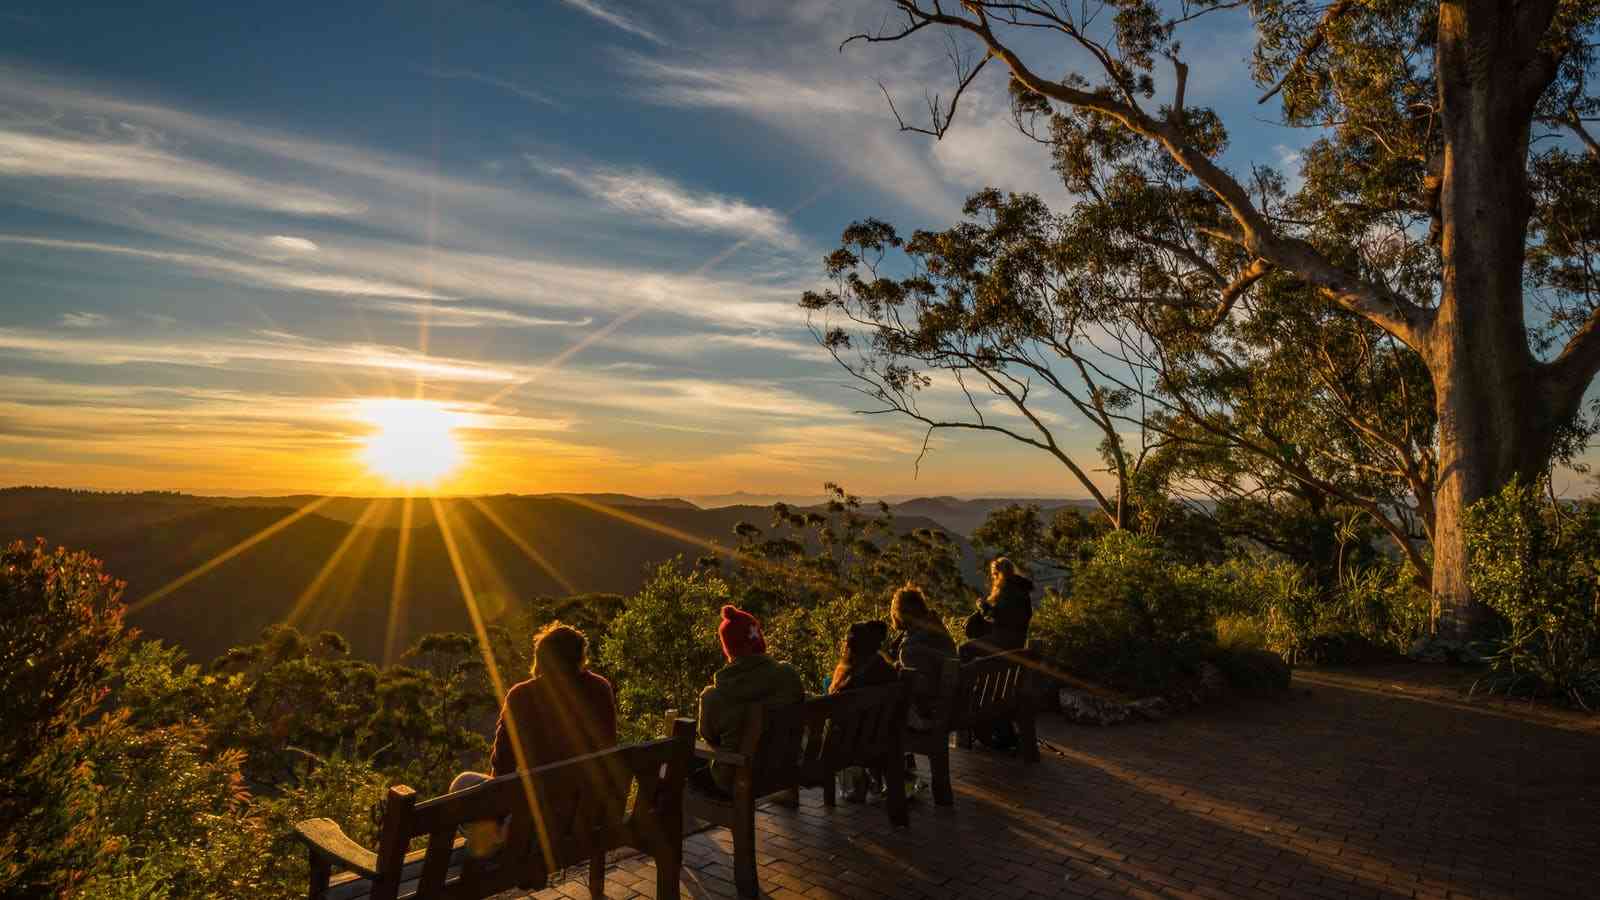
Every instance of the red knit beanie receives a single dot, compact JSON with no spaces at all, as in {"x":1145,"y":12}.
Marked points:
{"x":740,"y":633}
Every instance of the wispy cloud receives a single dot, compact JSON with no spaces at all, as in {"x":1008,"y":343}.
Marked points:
{"x":289,"y":242}
{"x":832,"y":106}
{"x":611,"y":17}
{"x":84,"y":320}
{"x":282,"y":278}
{"x":270,"y":347}
{"x":454,"y":315}
{"x":503,"y":84}
{"x":694,"y":344}
{"x":150,"y":170}
{"x":644,"y":193}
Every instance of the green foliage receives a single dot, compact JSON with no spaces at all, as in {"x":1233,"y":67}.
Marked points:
{"x":810,"y":636}
{"x":147,"y":776}
{"x":663,"y":648}
{"x":1252,"y":672}
{"x":1271,"y":603}
{"x":804,"y":558}
{"x":1014,"y":531}
{"x":1130,"y":621}
{"x":1535,"y":565}
{"x":60,"y":631}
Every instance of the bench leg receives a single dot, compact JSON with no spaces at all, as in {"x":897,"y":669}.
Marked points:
{"x":1030,"y":738}
{"x":597,"y":875}
{"x":939,"y":762}
{"x":830,"y":790}
{"x":964,"y":739}
{"x":894,"y":789}
{"x":744,"y":847}
{"x":669,"y":870}
{"x":321,"y":873}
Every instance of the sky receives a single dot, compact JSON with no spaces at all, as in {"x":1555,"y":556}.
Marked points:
{"x":580,"y":227}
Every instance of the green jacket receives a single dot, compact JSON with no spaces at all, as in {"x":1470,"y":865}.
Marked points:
{"x":734,"y":689}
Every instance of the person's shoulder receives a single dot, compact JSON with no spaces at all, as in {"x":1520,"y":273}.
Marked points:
{"x":522,"y":693}
{"x":596,"y":681}
{"x":791,"y":672}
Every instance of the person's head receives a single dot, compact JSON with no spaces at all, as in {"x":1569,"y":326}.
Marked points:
{"x":1001,"y":568}
{"x":740,"y":633}
{"x":977,"y":626}
{"x":559,"y":650}
{"x":909,"y":611}
{"x":865,"y":639}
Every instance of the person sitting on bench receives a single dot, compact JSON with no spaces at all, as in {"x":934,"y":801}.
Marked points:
{"x":861,"y":661}
{"x":923,"y":646}
{"x":750,"y":677}
{"x":563,"y":711}
{"x":1009,"y":606}
{"x":862,"y":665}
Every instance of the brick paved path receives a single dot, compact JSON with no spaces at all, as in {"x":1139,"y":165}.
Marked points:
{"x":1373,"y":784}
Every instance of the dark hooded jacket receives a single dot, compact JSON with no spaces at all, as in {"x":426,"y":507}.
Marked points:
{"x":738,"y":686}
{"x":1010,"y":608}
{"x":924,"y":651}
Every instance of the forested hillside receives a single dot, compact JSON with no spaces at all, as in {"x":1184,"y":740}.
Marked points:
{"x":589,"y":543}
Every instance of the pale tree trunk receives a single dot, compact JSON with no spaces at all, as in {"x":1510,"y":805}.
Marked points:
{"x":1495,"y":418}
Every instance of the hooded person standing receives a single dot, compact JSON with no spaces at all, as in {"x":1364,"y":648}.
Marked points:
{"x":750,"y":677}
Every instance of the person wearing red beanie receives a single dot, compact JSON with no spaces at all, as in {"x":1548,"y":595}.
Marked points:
{"x":751,"y":677}
{"x":740,"y":633}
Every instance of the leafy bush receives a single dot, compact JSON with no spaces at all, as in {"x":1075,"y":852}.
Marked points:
{"x":1130,"y":622}
{"x":809,"y":637}
{"x":663,"y":648}
{"x":1267,"y":603}
{"x":60,"y":632}
{"x":1254,"y":673}
{"x":1534,"y":565}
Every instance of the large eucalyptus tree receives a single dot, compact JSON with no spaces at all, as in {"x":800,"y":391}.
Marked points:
{"x":1448,"y":199}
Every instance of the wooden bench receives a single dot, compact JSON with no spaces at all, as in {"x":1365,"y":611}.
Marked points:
{"x":556,"y":816}
{"x":981,"y":694}
{"x":804,"y":745}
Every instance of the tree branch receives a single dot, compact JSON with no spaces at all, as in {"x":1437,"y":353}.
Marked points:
{"x":1319,"y":36}
{"x":1383,"y":307}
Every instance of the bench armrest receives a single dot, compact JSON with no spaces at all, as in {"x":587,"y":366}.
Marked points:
{"x":329,"y":842}
{"x":726,"y":757}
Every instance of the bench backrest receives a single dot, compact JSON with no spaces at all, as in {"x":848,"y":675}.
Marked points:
{"x":559,"y":815}
{"x":802,"y":744}
{"x":999,"y":686}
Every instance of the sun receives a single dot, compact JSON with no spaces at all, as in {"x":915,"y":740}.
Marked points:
{"x":413,"y":443}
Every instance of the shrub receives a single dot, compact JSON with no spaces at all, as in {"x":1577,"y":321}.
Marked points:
{"x":1534,"y":564}
{"x":59,"y":634}
{"x":663,"y":648}
{"x":1252,"y":672}
{"x":809,"y":637}
{"x":1131,"y":622}
{"x":1267,"y":603}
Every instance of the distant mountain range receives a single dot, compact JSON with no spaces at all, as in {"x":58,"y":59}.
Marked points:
{"x":263,"y":560}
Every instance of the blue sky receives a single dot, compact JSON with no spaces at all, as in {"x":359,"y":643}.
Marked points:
{"x":221,"y":226}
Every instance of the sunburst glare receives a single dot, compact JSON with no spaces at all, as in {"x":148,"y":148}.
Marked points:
{"x":413,"y":442}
